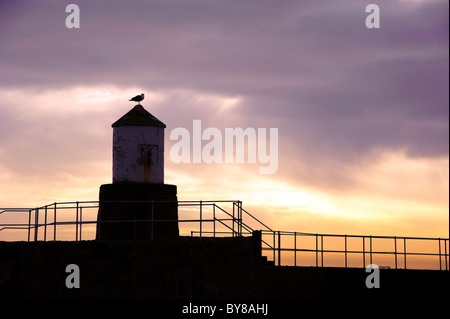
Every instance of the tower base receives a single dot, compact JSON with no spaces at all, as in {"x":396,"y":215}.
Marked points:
{"x":129,"y":211}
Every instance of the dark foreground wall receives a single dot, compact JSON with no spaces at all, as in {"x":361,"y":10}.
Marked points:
{"x":189,"y":269}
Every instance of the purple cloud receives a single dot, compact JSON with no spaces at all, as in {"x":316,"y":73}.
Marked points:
{"x":335,"y":88}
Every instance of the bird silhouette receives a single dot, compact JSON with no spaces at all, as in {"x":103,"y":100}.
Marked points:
{"x":137,"y":98}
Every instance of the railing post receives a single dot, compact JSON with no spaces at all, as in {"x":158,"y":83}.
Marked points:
{"x":404,"y":249}
{"x":321,"y":249}
{"x":279,"y":248}
{"x":273,"y":233}
{"x":29,"y":224}
{"x":201,"y":219}
{"x":295,"y":249}
{"x":440,"y":259}
{"x":45,"y":224}
{"x":81,"y":220}
{"x":317,"y":251}
{"x":364,"y":251}
{"x":370,"y":247}
{"x":54,"y":223}
{"x":76,"y":224}
{"x":233,"y":221}
{"x":445,"y":251}
{"x":345,"y":238}
{"x":239,"y":212}
{"x":36,"y":224}
{"x":214,"y":219}
{"x":240,"y":216}
{"x":395,"y":251}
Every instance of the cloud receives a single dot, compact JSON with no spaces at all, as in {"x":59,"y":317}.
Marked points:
{"x":343,"y":97}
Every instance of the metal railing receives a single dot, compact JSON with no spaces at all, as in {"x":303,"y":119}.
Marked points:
{"x":67,"y":220}
{"x":78,"y":220}
{"x":308,"y":249}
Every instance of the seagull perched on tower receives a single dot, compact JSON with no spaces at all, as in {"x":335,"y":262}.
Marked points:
{"x":138,"y":98}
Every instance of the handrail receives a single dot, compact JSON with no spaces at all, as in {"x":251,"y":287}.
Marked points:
{"x":56,"y":215}
{"x":279,"y":246}
{"x":247,"y":228}
{"x":268,"y":228}
{"x":42,"y":212}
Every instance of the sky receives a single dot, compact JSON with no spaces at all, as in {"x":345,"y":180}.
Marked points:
{"x":362,"y":114}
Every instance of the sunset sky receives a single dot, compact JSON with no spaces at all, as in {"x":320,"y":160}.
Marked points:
{"x":362,"y":114}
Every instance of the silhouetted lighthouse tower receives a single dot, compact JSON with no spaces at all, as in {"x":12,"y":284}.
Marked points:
{"x":138,"y":148}
{"x":138,"y":205}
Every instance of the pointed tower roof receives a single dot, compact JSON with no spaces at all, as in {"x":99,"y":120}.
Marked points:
{"x":138,"y":116}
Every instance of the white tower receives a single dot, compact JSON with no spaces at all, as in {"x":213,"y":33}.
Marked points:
{"x":138,"y":148}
